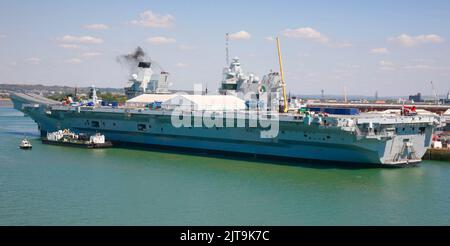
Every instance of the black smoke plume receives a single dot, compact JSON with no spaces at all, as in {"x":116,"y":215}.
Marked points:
{"x":137,"y":56}
{"x":132,"y":60}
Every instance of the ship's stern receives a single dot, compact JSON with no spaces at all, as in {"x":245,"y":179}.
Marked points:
{"x":407,"y":149}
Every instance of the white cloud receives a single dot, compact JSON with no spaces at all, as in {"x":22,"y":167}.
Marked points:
{"x":73,"y":61}
{"x":150,"y":19}
{"x":426,"y":67}
{"x":69,"y":46}
{"x":241,"y":35}
{"x":387,"y":65}
{"x":387,"y":68}
{"x":34,"y":60}
{"x":269,"y":39}
{"x":418,"y":66}
{"x":161,"y":40}
{"x":306,"y":33}
{"x":315,"y":36}
{"x":379,"y":51}
{"x":409,"y":41}
{"x":431,"y":38}
{"x":341,"y":45}
{"x":80,"y":39}
{"x":2,"y":36}
{"x":423,"y":60}
{"x":96,"y":27}
{"x":91,"y":54}
{"x":182,"y":65}
{"x":184,"y":47}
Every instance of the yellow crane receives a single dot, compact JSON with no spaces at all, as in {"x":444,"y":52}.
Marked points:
{"x":283,"y":83}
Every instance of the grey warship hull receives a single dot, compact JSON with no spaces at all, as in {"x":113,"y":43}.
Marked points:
{"x":371,"y":139}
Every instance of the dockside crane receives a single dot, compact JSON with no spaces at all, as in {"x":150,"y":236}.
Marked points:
{"x":434,"y":92}
{"x":283,"y":82}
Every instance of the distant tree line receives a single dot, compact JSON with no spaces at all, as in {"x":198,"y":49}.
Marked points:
{"x":109,"y":97}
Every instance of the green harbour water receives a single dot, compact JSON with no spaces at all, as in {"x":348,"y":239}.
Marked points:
{"x":56,"y":185}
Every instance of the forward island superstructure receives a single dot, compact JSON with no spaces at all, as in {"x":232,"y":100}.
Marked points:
{"x":248,"y":117}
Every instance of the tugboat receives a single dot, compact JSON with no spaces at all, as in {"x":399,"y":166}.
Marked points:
{"x":69,"y":138}
{"x":25,"y":144}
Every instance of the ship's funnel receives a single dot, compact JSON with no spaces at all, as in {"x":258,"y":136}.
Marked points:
{"x":144,"y":64}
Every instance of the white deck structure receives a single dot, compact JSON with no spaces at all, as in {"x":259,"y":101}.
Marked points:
{"x":144,"y":99}
{"x":205,"y":102}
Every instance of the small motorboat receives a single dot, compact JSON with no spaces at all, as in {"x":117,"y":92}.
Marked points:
{"x":25,"y":144}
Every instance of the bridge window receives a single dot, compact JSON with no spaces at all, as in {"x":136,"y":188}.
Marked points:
{"x":229,"y":86}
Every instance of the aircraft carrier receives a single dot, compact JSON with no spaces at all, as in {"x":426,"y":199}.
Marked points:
{"x":161,"y":120}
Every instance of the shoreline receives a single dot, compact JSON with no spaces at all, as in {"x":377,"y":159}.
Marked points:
{"x":5,"y":102}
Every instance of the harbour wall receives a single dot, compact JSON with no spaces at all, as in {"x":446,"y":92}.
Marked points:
{"x":437,"y":154}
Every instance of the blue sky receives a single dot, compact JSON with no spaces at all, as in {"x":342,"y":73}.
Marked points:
{"x":393,"y":47}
